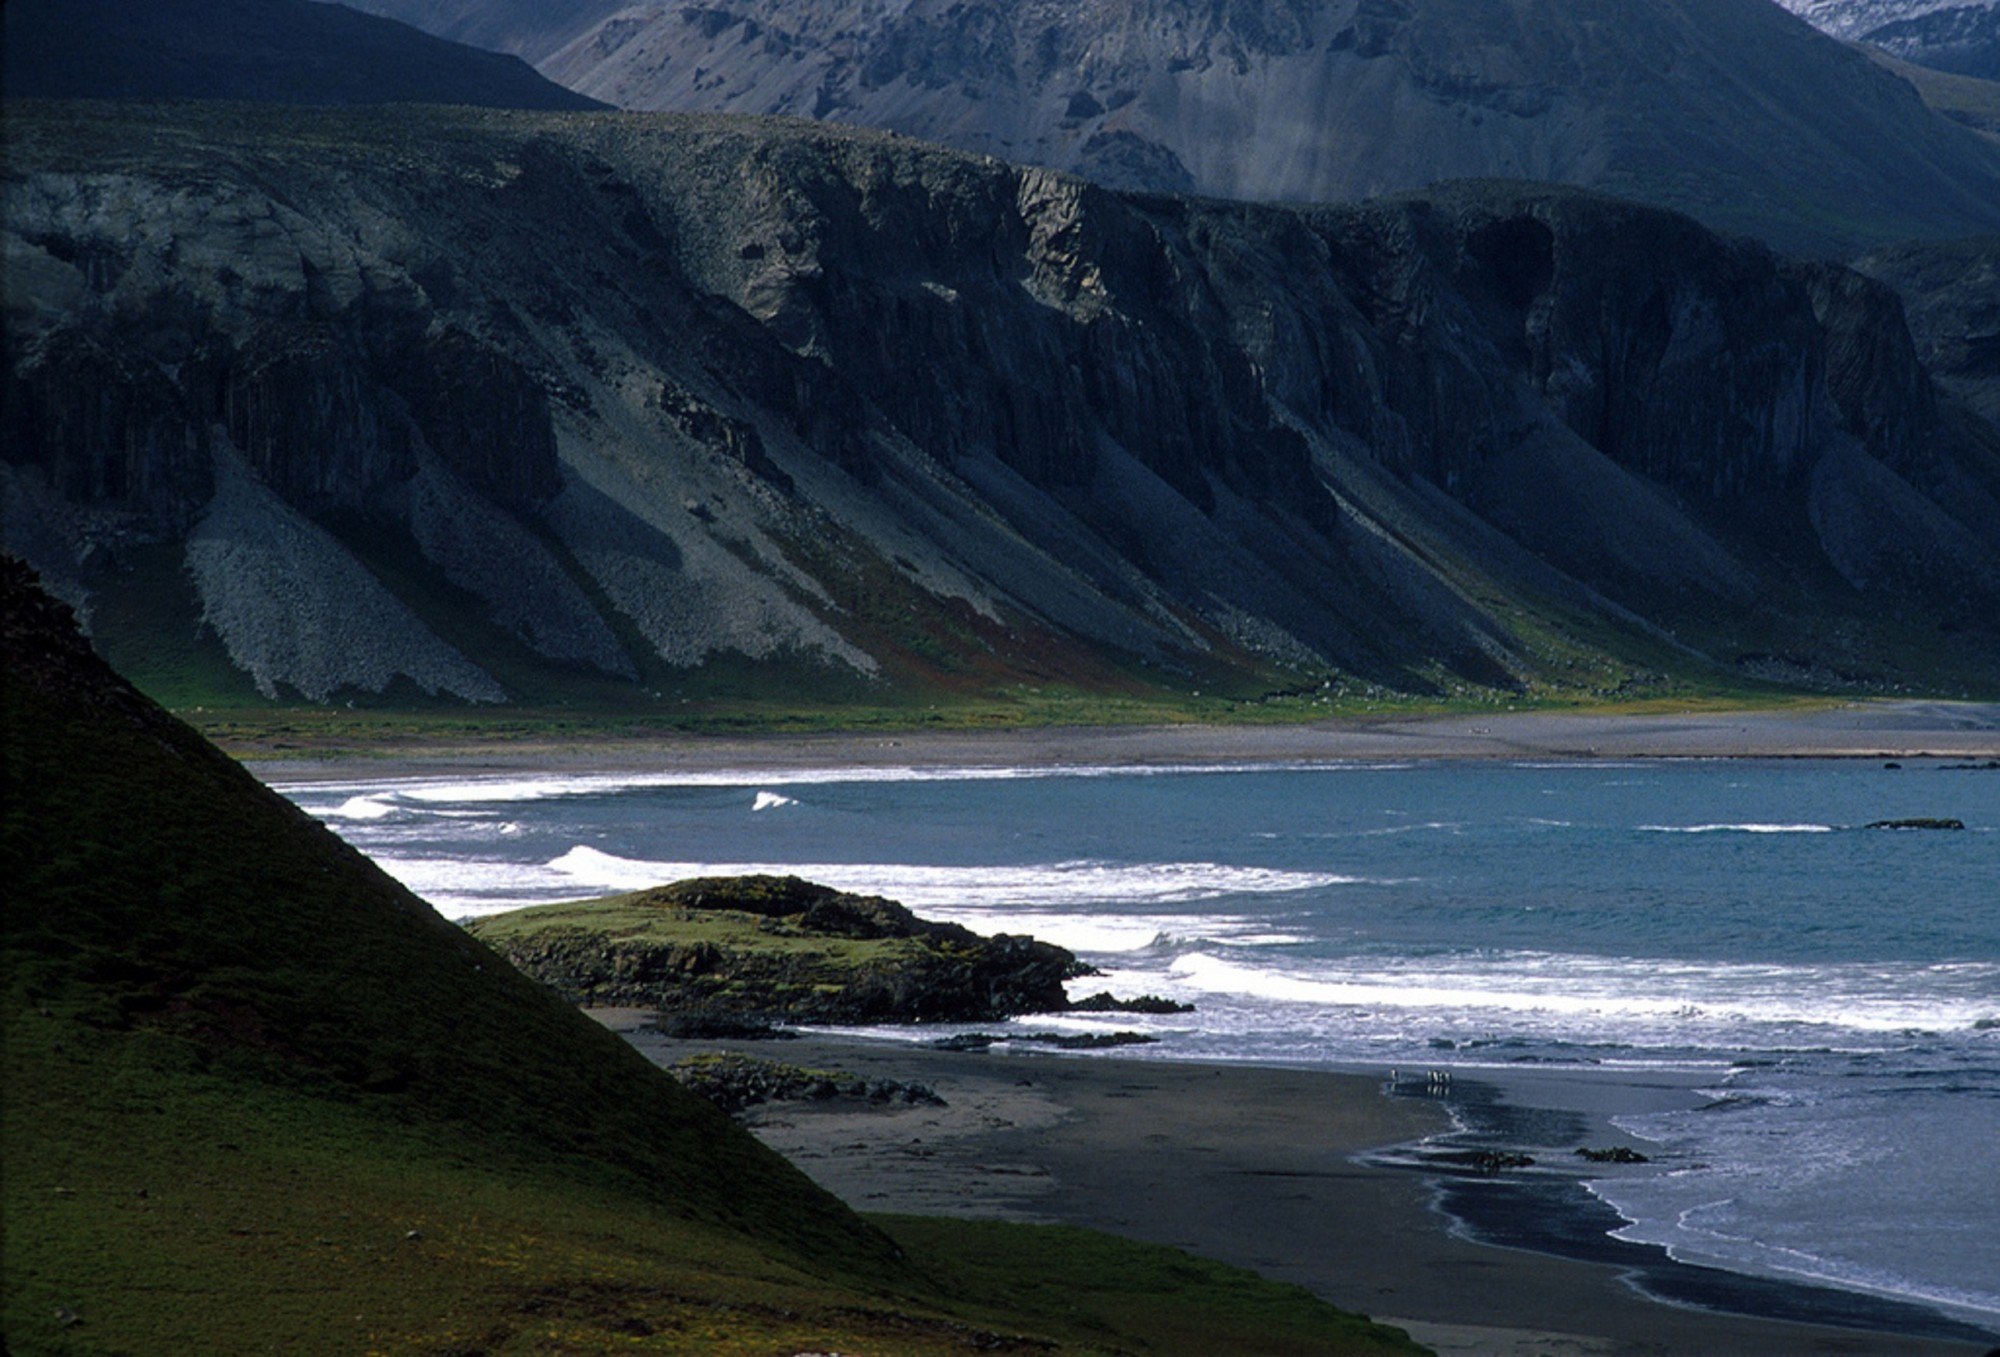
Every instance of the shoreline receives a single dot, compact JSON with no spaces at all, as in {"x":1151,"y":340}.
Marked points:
{"x":1276,"y":1169}
{"x":1890,"y":731}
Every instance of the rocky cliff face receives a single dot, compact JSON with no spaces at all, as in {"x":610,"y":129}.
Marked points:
{"x":508,"y":406}
{"x":1729,"y":110}
{"x":1951,"y":292}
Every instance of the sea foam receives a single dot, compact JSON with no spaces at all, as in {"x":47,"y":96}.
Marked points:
{"x":500,"y":787}
{"x":1738,"y":829}
{"x":1621,"y":1000}
{"x":920,"y":884}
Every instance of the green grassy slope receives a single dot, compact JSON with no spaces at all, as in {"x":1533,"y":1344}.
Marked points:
{"x":258,"y":1097}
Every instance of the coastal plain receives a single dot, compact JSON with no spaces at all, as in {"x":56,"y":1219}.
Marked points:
{"x":1891,"y":730}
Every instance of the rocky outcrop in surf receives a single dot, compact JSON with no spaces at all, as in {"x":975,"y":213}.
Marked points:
{"x":768,"y":949}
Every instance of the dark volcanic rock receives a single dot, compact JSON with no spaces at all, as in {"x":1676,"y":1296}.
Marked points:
{"x":1615,"y":1154}
{"x":1487,"y":1162}
{"x":736,"y":1083}
{"x":1104,"y":1002}
{"x":1951,"y":291}
{"x":762,"y":949}
{"x":1062,"y":1041}
{"x":108,"y":429}
{"x":1916,"y":822}
{"x":624,"y":397}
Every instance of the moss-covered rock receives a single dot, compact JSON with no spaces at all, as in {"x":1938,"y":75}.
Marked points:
{"x":779,"y":949}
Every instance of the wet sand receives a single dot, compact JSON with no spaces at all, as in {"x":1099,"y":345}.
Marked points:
{"x":1898,"y":731}
{"x":1251,"y":1165}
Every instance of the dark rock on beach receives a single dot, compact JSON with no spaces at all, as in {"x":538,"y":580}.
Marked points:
{"x":1063,"y":1041}
{"x":1916,"y":822}
{"x":1615,"y":1154}
{"x":705,"y":1025}
{"x":1483,"y":1161}
{"x":737,"y":1082}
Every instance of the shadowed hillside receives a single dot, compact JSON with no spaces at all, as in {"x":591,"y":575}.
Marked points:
{"x":259,"y":1096}
{"x":279,"y":51}
{"x":170,"y":921}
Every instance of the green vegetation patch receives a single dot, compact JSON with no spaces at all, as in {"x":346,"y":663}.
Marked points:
{"x":1130,"y":1296}
{"x":770,"y":949}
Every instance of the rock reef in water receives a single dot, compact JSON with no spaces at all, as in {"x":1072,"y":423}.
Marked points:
{"x":767,"y":949}
{"x":1611,"y":1154}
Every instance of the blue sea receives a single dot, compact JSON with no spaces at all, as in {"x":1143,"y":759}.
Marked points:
{"x":1798,"y":1018}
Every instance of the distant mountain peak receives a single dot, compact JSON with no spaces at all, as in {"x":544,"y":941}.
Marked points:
{"x":1725,"y":109}
{"x":1960,"y":36}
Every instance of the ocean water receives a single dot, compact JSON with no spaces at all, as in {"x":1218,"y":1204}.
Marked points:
{"x":1826,"y":997}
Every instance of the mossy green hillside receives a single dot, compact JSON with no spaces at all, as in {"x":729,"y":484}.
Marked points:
{"x":258,"y":1097}
{"x":1112,"y":1287}
{"x":150,"y":1207}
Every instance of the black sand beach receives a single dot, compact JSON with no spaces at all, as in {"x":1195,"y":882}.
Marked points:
{"x":1256,"y":1166}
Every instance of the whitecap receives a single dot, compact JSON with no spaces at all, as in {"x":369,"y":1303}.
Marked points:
{"x":1738,"y":829}
{"x":505,"y":787}
{"x":1626,"y":998}
{"x":771,"y":801}
{"x":979,"y":886}
{"x":370,"y":807}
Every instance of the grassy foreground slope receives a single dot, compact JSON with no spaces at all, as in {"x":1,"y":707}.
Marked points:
{"x":258,"y":1097}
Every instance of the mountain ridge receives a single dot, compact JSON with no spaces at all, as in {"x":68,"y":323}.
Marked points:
{"x":1729,"y":110}
{"x":1511,"y":437}
{"x":282,"y":51}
